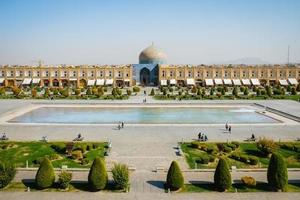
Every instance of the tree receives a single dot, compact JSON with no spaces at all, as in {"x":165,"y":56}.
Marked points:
{"x":269,"y":91}
{"x":246,"y":91}
{"x":293,"y":91}
{"x":175,"y":179}
{"x":120,"y":175}
{"x":235,"y":91}
{"x":89,"y":91}
{"x":45,"y":176}
{"x":277,"y":172}
{"x":98,"y":177}
{"x":222,"y":176}
{"x":100,"y":92}
{"x":152,"y":93}
{"x":7,"y":174}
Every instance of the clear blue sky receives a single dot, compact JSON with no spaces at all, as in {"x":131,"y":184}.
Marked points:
{"x":115,"y":31}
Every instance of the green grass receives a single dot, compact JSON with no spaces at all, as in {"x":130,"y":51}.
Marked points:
{"x":249,"y":149}
{"x":260,"y":187}
{"x":20,"y":152}
{"x":74,"y":187}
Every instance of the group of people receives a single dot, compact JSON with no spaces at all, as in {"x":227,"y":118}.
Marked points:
{"x":228,"y":128}
{"x":3,"y":137}
{"x":121,"y":125}
{"x":202,"y":137}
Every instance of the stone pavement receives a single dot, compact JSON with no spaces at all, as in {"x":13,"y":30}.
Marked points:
{"x":147,"y":146}
{"x":146,"y":196}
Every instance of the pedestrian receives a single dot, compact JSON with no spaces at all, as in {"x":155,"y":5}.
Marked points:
{"x":122,"y":124}
{"x":119,"y":126}
{"x":199,"y":136}
{"x":226,"y":126}
{"x":205,"y":138}
{"x":145,"y":100}
{"x":229,"y":129}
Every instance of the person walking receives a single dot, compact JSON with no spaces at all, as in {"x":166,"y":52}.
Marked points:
{"x":199,"y":136}
{"x":122,"y":124}
{"x":226,"y":126}
{"x":229,"y":129}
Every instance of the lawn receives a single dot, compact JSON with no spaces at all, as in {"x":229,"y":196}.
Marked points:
{"x":192,"y":155}
{"x":20,"y":152}
{"x":260,"y":187}
{"x":74,"y":187}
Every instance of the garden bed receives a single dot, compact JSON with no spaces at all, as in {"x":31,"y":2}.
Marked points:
{"x":81,"y":155}
{"x":246,"y":155}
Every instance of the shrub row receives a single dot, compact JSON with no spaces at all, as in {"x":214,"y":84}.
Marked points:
{"x":252,"y":160}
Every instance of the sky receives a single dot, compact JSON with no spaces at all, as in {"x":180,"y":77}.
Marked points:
{"x":116,"y":31}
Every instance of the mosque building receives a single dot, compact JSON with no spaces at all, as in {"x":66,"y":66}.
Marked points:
{"x":152,"y":70}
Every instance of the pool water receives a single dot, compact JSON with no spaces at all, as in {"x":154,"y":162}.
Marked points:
{"x":143,"y":115}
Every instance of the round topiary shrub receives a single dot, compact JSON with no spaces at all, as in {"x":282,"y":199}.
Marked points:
{"x":175,"y":179}
{"x":277,"y":172}
{"x":98,"y":177}
{"x":222,"y":176}
{"x":45,"y":176}
{"x":7,"y":174}
{"x":248,"y":181}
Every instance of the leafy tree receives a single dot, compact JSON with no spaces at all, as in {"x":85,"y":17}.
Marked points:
{"x":246,"y":91}
{"x":33,"y":93}
{"x":120,"y":175}
{"x":7,"y":174}
{"x":212,"y":91}
{"x":222,"y":176}
{"x":293,"y":91}
{"x":47,"y":93}
{"x":89,"y":91}
{"x":98,"y":177}
{"x":2,"y":90}
{"x":152,"y":93}
{"x":298,"y":88}
{"x":100,"y":92}
{"x":277,"y":172}
{"x":269,"y":91}
{"x":175,"y":179}
{"x":129,"y":92}
{"x":235,"y":91}
{"x":258,"y":92}
{"x":45,"y":176}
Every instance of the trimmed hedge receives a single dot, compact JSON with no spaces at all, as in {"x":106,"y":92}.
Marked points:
{"x":45,"y":176}
{"x":222,"y":176}
{"x":7,"y":174}
{"x":277,"y":172}
{"x":98,"y":177}
{"x":175,"y":178}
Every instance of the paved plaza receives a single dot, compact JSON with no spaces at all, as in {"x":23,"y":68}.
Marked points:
{"x":148,"y":147}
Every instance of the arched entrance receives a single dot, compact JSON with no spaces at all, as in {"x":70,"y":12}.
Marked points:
{"x":145,"y":76}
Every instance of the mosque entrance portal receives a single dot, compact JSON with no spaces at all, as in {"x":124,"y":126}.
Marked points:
{"x":145,"y":76}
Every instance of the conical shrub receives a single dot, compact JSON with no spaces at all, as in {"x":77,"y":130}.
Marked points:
{"x":175,"y":178}
{"x":45,"y":176}
{"x":222,"y":177}
{"x":277,"y":172}
{"x":98,"y":175}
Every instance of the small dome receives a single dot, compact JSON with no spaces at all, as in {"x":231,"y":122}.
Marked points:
{"x":152,"y":55}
